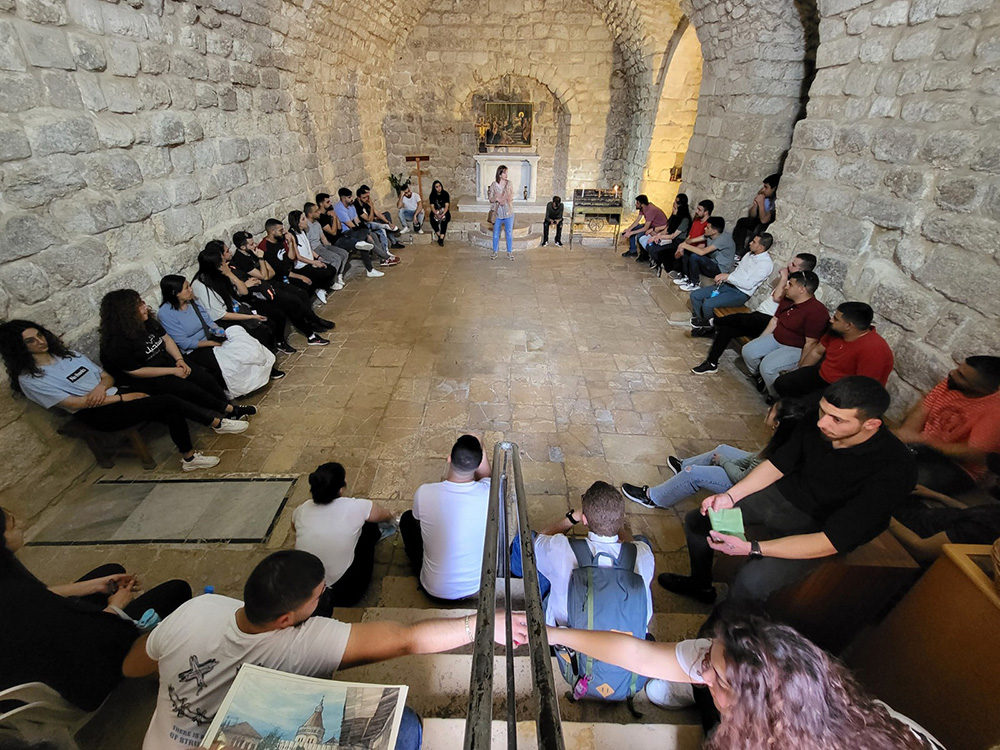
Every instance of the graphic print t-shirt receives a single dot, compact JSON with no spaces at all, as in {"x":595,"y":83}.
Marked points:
{"x":200,"y":649}
{"x":70,"y":376}
{"x":146,"y":351}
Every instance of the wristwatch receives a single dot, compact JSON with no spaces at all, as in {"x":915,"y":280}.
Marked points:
{"x":755,"y":549}
{"x":570,"y":516}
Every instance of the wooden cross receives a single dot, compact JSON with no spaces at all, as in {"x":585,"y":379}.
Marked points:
{"x":420,"y":175}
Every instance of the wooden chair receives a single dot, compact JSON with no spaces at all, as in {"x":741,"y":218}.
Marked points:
{"x":106,"y":445}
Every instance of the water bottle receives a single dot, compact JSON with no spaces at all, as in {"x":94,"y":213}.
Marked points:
{"x":209,"y":590}
{"x":715,"y":292}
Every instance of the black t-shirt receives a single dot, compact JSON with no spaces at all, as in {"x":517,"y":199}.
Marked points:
{"x":440,"y":200}
{"x":276,"y":254}
{"x":148,"y":350}
{"x":242,"y":264}
{"x":363,"y":209}
{"x":70,"y":645}
{"x":852,"y":492}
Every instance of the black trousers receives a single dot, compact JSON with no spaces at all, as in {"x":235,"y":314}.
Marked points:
{"x":745,"y":230}
{"x":440,"y":226}
{"x":164,"y":599}
{"x":168,"y":410}
{"x":348,"y":241}
{"x":321,"y":278}
{"x":294,"y":302}
{"x":731,"y":327}
{"x":663,"y":255}
{"x":938,"y":472}
{"x":804,"y":382}
{"x":204,"y":357}
{"x":198,"y":388}
{"x":771,"y":516}
{"x":354,"y":583}
{"x":545,"y":231}
{"x":413,"y":542}
{"x":276,"y":318}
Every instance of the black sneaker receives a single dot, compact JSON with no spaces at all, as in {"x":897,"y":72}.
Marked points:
{"x":701,"y":322}
{"x":326,"y":325}
{"x":543,"y":244}
{"x":685,"y":586}
{"x":277,"y":374}
{"x":705,"y":368}
{"x":675,"y":464}
{"x":638,"y":495}
{"x":642,"y":258}
{"x":759,"y":384}
{"x":558,"y":243}
{"x":629,"y":254}
{"x":317,"y":340}
{"x":702,"y":332}
{"x":241,"y":411}
{"x":285,"y":348}
{"x":397,"y":246}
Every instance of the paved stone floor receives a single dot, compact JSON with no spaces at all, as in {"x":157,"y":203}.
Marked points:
{"x":568,"y":353}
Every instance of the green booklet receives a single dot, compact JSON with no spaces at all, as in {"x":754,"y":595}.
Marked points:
{"x":728,"y":521}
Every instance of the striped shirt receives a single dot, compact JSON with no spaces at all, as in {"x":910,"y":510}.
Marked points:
{"x":953,"y":417}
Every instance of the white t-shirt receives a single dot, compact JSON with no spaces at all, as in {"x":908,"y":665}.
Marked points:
{"x":410,"y":204}
{"x":210,"y":300}
{"x":200,"y":649}
{"x":556,"y":561}
{"x":304,"y":249}
{"x":452,"y":519}
{"x":331,"y":532}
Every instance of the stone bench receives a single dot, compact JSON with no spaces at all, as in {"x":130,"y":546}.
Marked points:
{"x":107,"y":445}
{"x":845,"y":594}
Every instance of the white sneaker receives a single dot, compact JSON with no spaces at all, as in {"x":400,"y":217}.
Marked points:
{"x":363,"y":245}
{"x":321,"y":296}
{"x":690,"y":287}
{"x":198,"y":461}
{"x":234,"y":426}
{"x":375,"y":273}
{"x":403,"y":230}
{"x":340,"y":279}
{"x":666,"y":694}
{"x":337,"y":286}
{"x":420,"y":231}
{"x":680,"y":280}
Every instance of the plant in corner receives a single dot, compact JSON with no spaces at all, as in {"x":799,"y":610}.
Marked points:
{"x":398,"y":181}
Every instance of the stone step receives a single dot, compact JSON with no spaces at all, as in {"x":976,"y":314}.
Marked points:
{"x":440,"y":689}
{"x":485,"y":241}
{"x":447,"y":734}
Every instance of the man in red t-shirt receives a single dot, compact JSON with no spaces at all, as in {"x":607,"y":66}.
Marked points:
{"x":650,"y":219}
{"x":953,"y":428}
{"x":851,"y":346}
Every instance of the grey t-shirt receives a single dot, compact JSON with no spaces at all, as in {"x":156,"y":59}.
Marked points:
{"x":725,"y":251}
{"x":314,"y":233}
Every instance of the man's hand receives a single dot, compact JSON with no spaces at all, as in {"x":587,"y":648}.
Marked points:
{"x":720,"y":278}
{"x":252,"y":282}
{"x":126,"y":592}
{"x":96,"y":397}
{"x":261,"y":318}
{"x":717,"y":503}
{"x":728,"y":545}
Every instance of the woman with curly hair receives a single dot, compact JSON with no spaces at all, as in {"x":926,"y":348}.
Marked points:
{"x":73,"y":637}
{"x":43,"y":369}
{"x":772,"y":686}
{"x":141,"y":355}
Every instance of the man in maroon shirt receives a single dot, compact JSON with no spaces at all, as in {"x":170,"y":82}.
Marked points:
{"x":851,"y":346}
{"x":650,"y":219}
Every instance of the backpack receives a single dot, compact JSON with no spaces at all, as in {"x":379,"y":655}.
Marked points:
{"x":604,"y":598}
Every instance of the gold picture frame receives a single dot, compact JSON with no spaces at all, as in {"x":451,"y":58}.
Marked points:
{"x":506,"y":124}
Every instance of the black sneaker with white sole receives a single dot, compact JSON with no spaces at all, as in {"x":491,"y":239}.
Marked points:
{"x":316,"y":340}
{"x":675,"y":464}
{"x":277,"y":374}
{"x":638,"y":495}
{"x":705,"y":368}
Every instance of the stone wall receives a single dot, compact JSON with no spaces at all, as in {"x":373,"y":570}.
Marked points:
{"x":561,"y":52}
{"x":895,"y":175}
{"x":757,"y":67}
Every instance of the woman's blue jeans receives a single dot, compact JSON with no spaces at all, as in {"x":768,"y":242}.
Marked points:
{"x":508,"y":226}
{"x":697,"y":473}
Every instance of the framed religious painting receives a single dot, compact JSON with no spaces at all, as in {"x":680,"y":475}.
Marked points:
{"x":507,"y":124}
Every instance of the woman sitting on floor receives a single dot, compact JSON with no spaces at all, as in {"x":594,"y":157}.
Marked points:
{"x":42,"y":368}
{"x":234,"y":358}
{"x":720,"y":468}
{"x":72,"y":637}
{"x":141,"y":355}
{"x":342,"y":532}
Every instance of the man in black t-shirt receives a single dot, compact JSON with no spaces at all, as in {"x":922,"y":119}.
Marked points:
{"x":831,"y":488}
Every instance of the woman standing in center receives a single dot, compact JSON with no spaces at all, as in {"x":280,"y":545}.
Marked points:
{"x":501,"y":196}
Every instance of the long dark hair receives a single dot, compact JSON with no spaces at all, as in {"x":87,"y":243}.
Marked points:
{"x":682,"y":212}
{"x":435,"y":184}
{"x":500,"y":170}
{"x":170,"y":286}
{"x":327,"y":482}
{"x":121,"y":325}
{"x":294,"y":217}
{"x":789,"y":412}
{"x":210,"y":262}
{"x":16,"y":357}
{"x":9,"y":564}
{"x":786,"y":692}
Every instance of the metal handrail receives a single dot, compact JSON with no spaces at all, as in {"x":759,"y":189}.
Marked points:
{"x":496,"y":558}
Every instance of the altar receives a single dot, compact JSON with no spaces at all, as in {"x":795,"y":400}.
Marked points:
{"x":522,"y":172}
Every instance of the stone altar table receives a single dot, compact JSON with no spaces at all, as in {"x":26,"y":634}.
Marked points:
{"x":522,"y":171}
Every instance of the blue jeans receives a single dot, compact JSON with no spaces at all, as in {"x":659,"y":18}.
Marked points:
{"x":411,"y":731}
{"x":695,"y":266}
{"x":703,"y":303}
{"x":406,"y":216}
{"x":634,"y":239}
{"x":697,"y":473}
{"x":508,"y":226}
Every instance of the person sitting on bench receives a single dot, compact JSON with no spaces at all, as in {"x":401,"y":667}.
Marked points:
{"x":831,"y":488}
{"x":735,"y":285}
{"x":665,"y":243}
{"x":43,"y":369}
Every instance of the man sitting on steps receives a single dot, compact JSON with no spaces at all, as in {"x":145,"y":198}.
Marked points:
{"x":831,"y":488}
{"x":650,"y":219}
{"x":716,"y":255}
{"x":443,"y":534}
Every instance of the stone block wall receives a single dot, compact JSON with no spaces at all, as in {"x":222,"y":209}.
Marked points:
{"x":895,"y":174}
{"x":561,"y":52}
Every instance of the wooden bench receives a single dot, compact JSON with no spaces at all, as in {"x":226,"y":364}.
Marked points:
{"x":721,"y":312}
{"x":845,"y":594}
{"x":106,"y":445}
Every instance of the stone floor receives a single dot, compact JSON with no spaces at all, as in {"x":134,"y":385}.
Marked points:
{"x":567,"y":353}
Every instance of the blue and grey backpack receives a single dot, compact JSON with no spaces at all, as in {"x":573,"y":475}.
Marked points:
{"x":604,"y":598}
